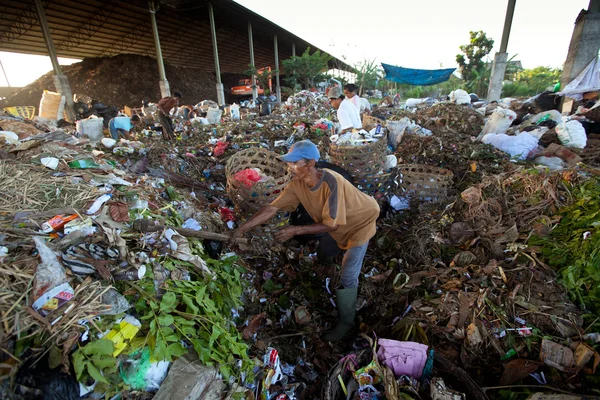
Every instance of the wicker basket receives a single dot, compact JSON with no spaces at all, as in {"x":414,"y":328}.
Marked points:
{"x":590,"y":154}
{"x":261,"y":193}
{"x":424,"y":182}
{"x":366,"y":165}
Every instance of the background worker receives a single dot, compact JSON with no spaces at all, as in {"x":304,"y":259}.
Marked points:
{"x":338,"y":208}
{"x":363,"y":105}
{"x":164,"y":107}
{"x":122,"y":126}
{"x":347,"y":113}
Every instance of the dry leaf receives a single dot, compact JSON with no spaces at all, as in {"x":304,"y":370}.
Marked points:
{"x":119,"y":211}
{"x":517,"y":370}
{"x":254,"y":325}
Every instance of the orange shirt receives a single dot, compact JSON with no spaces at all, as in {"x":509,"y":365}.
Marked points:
{"x":334,"y":201}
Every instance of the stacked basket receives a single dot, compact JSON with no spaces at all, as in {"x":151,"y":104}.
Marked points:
{"x":261,"y":193}
{"x":366,"y":164}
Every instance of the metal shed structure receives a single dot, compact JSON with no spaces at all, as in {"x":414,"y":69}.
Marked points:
{"x":220,"y":36}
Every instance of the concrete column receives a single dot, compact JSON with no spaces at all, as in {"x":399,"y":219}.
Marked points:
{"x":277,"y":87}
{"x":500,"y":59}
{"x":584,"y":46}
{"x":213,"y":32}
{"x":254,"y":88}
{"x":165,"y":90}
{"x":293,"y":49}
{"x":60,"y":81}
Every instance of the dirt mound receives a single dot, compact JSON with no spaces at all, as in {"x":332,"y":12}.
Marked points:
{"x":121,"y":80}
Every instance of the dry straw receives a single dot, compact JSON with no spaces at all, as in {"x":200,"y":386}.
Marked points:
{"x":26,"y":188}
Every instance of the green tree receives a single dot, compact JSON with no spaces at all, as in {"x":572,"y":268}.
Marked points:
{"x":306,"y":70}
{"x":368,"y":75}
{"x":471,"y":64}
{"x":264,"y":77}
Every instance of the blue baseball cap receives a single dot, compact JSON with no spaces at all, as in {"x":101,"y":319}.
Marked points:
{"x":300,"y":150}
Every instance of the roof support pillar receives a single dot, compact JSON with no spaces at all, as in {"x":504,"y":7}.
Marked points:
{"x":584,"y":46}
{"x":213,"y":32}
{"x":165,"y":90}
{"x":293,"y":49}
{"x":277,"y":87}
{"x":500,"y":59}
{"x":60,"y":81}
{"x":254,"y":88}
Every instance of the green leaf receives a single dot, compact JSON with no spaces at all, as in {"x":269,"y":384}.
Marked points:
{"x":200,"y":295}
{"x":160,"y":351}
{"x":105,"y":362}
{"x":99,"y":347}
{"x":166,"y":320}
{"x":78,"y":363}
{"x":172,"y":338}
{"x":216,"y":332}
{"x":189,"y":302}
{"x":168,"y":302}
{"x":177,"y":350}
{"x":184,"y":321}
{"x":95,"y":374}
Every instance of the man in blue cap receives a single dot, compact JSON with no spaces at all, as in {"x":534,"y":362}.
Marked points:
{"x":338,"y":208}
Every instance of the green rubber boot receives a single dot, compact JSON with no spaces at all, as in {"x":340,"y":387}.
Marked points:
{"x":346,"y":305}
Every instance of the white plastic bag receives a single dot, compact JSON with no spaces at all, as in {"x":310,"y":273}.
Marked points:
{"x":518,"y":146}
{"x":459,"y":96}
{"x":234,"y":110}
{"x":498,"y":122}
{"x":571,"y":134}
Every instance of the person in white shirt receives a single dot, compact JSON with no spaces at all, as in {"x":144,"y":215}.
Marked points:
{"x":347,"y":113}
{"x":363,"y":105}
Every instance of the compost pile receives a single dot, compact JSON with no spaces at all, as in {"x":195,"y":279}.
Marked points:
{"x":95,"y":77}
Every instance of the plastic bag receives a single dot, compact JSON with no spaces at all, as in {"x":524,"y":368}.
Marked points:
{"x":572,"y":134}
{"x":403,"y":358}
{"x":220,"y":148}
{"x":499,"y":122}
{"x":459,"y":96}
{"x":248,"y":177}
{"x":50,"y":289}
{"x":518,"y":146}
{"x":142,"y":374}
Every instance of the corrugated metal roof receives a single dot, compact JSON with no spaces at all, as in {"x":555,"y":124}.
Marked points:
{"x":95,"y":28}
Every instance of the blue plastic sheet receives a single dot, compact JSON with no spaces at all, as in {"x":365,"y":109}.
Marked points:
{"x":421,"y":77}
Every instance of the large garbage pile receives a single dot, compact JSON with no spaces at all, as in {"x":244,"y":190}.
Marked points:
{"x":118,"y":278}
{"x":95,"y":77}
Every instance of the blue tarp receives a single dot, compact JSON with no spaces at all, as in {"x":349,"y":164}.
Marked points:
{"x":422,"y":77}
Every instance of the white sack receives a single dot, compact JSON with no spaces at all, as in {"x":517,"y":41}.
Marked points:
{"x":518,"y":146}
{"x":571,"y":134}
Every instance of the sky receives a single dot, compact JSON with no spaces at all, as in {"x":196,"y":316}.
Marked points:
{"x":423,"y":34}
{"x":426,"y":34}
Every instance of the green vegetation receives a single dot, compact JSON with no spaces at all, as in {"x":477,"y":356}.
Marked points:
{"x":573,"y":249}
{"x":305,"y":71}
{"x":530,"y":82}
{"x":368,"y":75}
{"x":474,"y":70}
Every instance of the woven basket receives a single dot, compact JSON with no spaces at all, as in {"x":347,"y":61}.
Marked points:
{"x":424,"y":182}
{"x":261,"y":193}
{"x":590,"y":154}
{"x":369,"y":122}
{"x":366,"y":164}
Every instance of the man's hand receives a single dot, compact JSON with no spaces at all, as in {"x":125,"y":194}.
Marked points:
{"x":286,"y":233}
{"x":236,"y":234}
